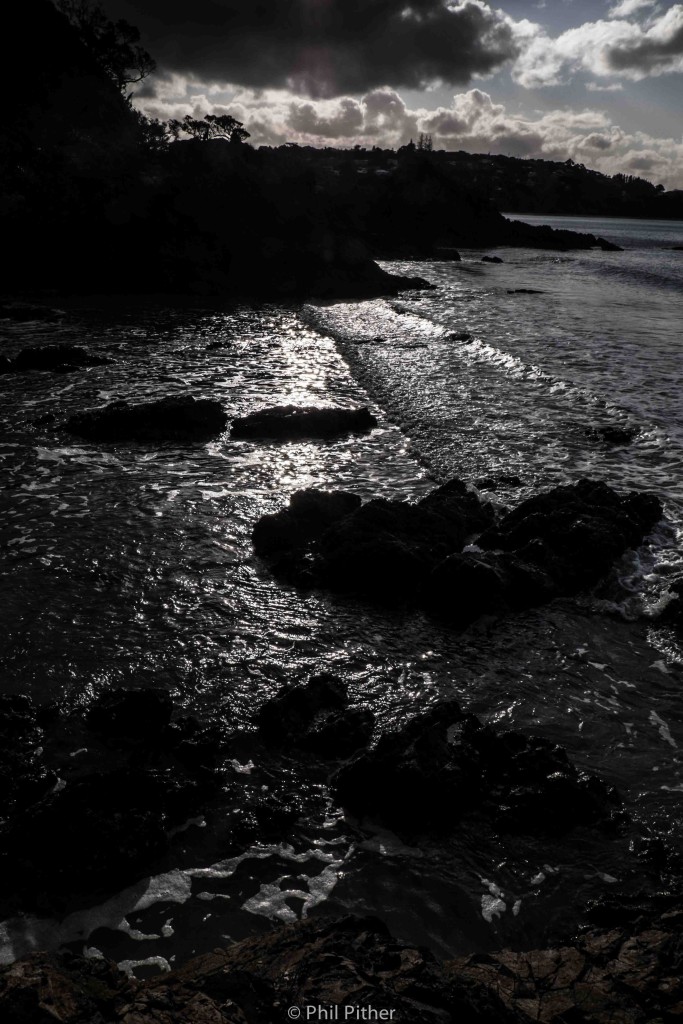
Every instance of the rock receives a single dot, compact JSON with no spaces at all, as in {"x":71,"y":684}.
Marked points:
{"x":575,"y":533}
{"x":315,"y":718}
{"x":445,"y":765}
{"x":105,"y":830}
{"x":24,"y":779}
{"x":131,"y":714}
{"x":608,"y":246}
{"x":491,"y":259}
{"x":395,"y":552}
{"x":615,"y":976}
{"x":169,"y":419}
{"x":57,"y":358}
{"x":463,"y":336}
{"x":310,"y":513}
{"x":525,"y":291}
{"x":612,"y":435}
{"x":386,"y":549}
{"x":353,"y":965}
{"x":291,"y":422}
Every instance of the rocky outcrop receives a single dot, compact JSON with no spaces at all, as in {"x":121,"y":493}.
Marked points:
{"x":553,"y":544}
{"x":315,"y":719}
{"x":445,"y":765}
{"x":355,"y":965}
{"x":170,"y":419}
{"x":292,"y":422}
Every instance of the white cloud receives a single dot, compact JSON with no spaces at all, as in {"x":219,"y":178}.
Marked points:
{"x":628,"y":7}
{"x":606,"y":48}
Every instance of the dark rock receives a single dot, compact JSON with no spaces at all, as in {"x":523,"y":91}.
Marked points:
{"x":169,"y":419}
{"x":315,"y":718}
{"x":386,"y":549}
{"x":612,"y":435}
{"x":310,"y":513}
{"x":352,"y":965}
{"x":131,"y":714}
{"x":24,"y":779}
{"x":554,"y":544}
{"x":57,"y":358}
{"x":446,"y":764}
{"x":463,"y":336}
{"x":290,"y":422}
{"x":575,"y":533}
{"x":104,"y":831}
{"x":525,"y":291}
{"x":491,"y":259}
{"x":608,"y":246}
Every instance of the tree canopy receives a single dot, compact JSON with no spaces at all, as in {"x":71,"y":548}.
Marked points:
{"x":115,"y":45}
{"x":211,"y":126}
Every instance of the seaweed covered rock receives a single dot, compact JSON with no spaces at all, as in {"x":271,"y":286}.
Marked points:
{"x":170,"y":419}
{"x":293,"y":422}
{"x":315,"y":718}
{"x":445,"y":764}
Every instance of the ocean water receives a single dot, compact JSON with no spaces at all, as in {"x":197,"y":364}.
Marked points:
{"x":132,"y":565}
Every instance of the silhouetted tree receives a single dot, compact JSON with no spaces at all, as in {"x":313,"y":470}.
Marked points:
{"x":211,"y":126}
{"x":115,"y":45}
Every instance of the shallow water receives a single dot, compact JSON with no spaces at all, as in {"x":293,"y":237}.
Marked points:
{"x":132,"y":565}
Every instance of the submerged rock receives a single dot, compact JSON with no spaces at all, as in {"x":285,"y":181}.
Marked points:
{"x":612,"y":435}
{"x":290,"y":422}
{"x":492,"y":483}
{"x":315,"y":718}
{"x":170,"y":419}
{"x":445,"y":765}
{"x":131,"y":714}
{"x":57,"y":358}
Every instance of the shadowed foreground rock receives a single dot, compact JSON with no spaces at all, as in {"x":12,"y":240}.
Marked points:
{"x":612,"y":977}
{"x":170,"y":419}
{"x":553,"y":544}
{"x":290,"y":422}
{"x":315,"y":718}
{"x":445,"y":765}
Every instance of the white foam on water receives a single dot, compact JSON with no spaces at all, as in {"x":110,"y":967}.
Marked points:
{"x":664,"y":730}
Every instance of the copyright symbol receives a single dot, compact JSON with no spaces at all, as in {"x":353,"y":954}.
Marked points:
{"x":294,"y":1012}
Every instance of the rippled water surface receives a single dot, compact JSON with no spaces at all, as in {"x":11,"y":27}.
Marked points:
{"x":132,"y":565}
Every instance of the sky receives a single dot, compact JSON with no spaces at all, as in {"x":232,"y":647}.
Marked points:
{"x":596,"y":81}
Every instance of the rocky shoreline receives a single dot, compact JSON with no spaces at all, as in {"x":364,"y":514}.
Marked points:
{"x":353,"y":969}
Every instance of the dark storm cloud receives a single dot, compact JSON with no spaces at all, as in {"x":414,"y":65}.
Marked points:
{"x":323,"y":47}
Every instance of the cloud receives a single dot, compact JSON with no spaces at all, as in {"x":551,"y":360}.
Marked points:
{"x":473,"y":122}
{"x":601,"y":87}
{"x":628,"y":7}
{"x":606,"y":48}
{"x":324,"y":48}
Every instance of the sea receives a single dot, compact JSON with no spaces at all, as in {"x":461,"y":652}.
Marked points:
{"x":131,"y":565}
